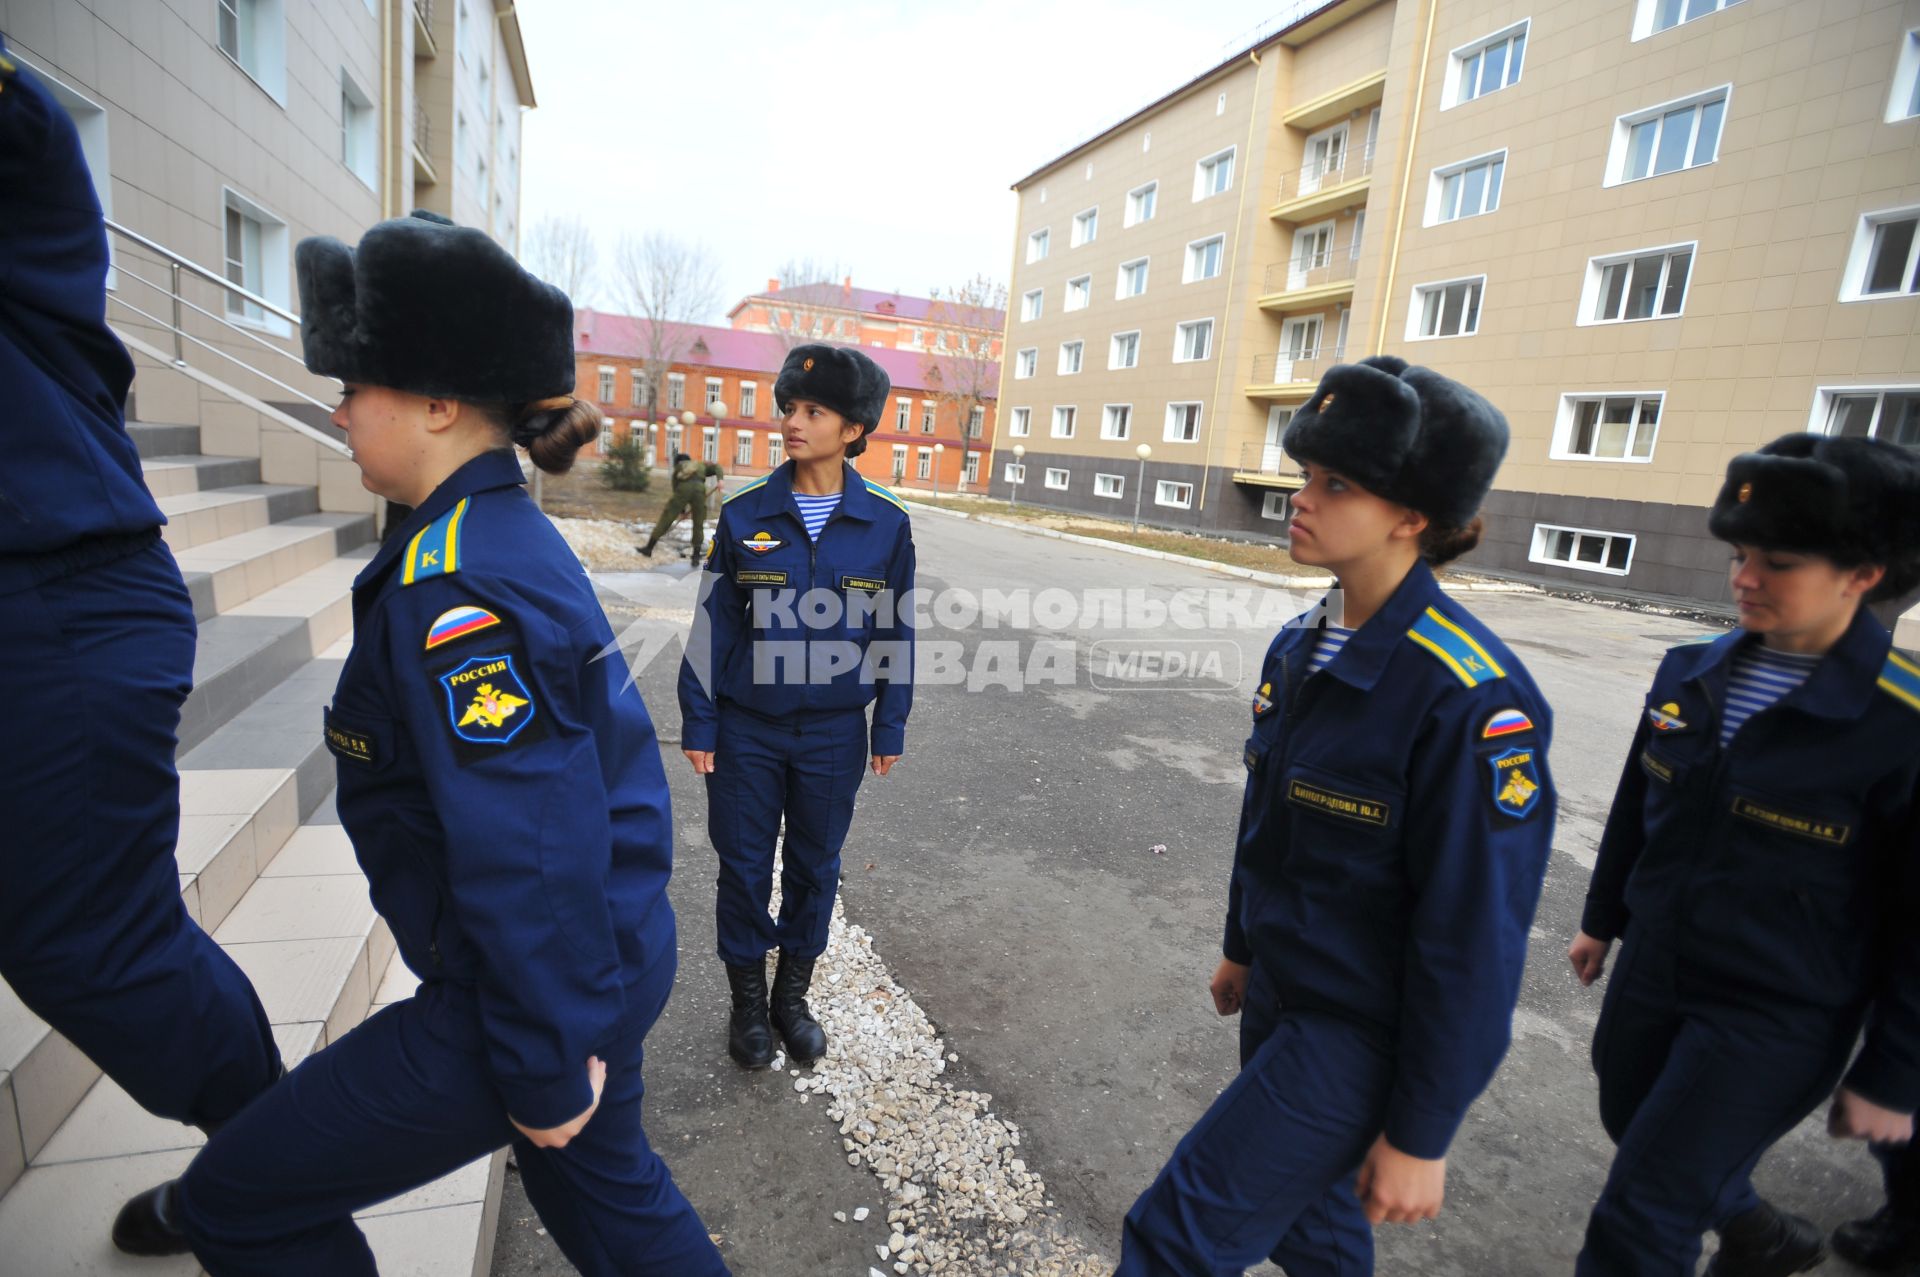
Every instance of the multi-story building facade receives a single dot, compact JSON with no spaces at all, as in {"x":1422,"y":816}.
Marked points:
{"x":1654,"y":232}
{"x":724,"y":378}
{"x":863,"y":317}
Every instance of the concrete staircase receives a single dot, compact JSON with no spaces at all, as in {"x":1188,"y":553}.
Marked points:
{"x":264,"y":866}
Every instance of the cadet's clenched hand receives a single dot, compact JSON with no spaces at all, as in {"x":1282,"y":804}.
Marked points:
{"x":883,"y":763}
{"x":1588,"y":956}
{"x":1398,"y":1188}
{"x":702,"y":759}
{"x":558,"y":1136}
{"x":1228,"y":987}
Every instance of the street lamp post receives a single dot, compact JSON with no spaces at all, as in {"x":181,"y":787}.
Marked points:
{"x":939,"y":450}
{"x":1020,"y":468}
{"x":1140,"y":483}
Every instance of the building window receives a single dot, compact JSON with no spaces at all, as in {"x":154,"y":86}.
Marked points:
{"x":1070,"y":352}
{"x":1020,"y":424}
{"x":253,"y":34}
{"x":1026,"y":363}
{"x":1667,"y":138}
{"x":673,"y":442}
{"x":606,"y":384}
{"x":1016,"y":472}
{"x":1116,"y":421}
{"x":923,"y":464}
{"x":1904,"y":102}
{"x":1583,"y":548}
{"x":1079,"y":292}
{"x":1124,"y":350}
{"x":1193,"y":341}
{"x":256,"y":260}
{"x":743,"y":449}
{"x":1031,"y":304}
{"x":1213,"y":175}
{"x":1178,"y":495}
{"x":1885,"y":261}
{"x":1109,"y":485}
{"x":358,"y":145}
{"x":902,"y":413}
{"x":1359,"y":231}
{"x":676,"y":390}
{"x":926,"y":416}
{"x":1277,"y":506}
{"x":1650,"y":283}
{"x":1891,"y":413}
{"x":714,"y":387}
{"x":1057,"y":479}
{"x":1451,"y":309}
{"x":1655,"y":16}
{"x":1607,"y":427}
{"x":637,"y":389}
{"x":1203,"y":258}
{"x":1063,"y":422}
{"x":1140,"y":201}
{"x":1133,"y":279}
{"x":1037,"y":246}
{"x":1486,"y":65}
{"x":749,"y":398}
{"x":970,"y":473}
{"x":776,"y":450}
{"x":710,"y":444}
{"x":1183,"y":423}
{"x":1085,"y":226}
{"x":606,"y":435}
{"x":1467,"y":189}
{"x":899,"y":461}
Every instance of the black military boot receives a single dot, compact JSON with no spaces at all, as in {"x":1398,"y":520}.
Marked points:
{"x":749,"y":1036}
{"x":145,"y":1225}
{"x":1768,"y":1242}
{"x":1885,"y":1239}
{"x":806,"y":1040}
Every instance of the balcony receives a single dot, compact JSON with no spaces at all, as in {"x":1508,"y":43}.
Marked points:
{"x":1289,"y":376}
{"x":1323,"y":187}
{"x":1309,"y":280}
{"x":1266,"y":465}
{"x":423,"y":45}
{"x":1340,"y":104}
{"x":423,"y":174}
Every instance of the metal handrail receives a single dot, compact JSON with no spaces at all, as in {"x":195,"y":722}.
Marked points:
{"x":1280,"y":369}
{"x":1291,"y":276}
{"x":232,"y":359}
{"x":210,"y":276}
{"x":1267,"y":458}
{"x":198,"y":309}
{"x":1313,"y":178}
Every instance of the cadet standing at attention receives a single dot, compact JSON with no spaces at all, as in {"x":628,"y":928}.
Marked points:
{"x":1761,"y":867}
{"x":97,"y":636}
{"x":802,"y":625}
{"x":689,"y":493}
{"x":1393,"y":839}
{"x":503,"y":788}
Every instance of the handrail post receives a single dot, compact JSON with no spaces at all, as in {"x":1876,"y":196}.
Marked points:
{"x":179,"y":338}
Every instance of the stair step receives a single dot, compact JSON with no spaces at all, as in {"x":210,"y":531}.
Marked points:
{"x":221,"y":575}
{"x":152,"y":440}
{"x":278,"y":729}
{"x":195,"y":518}
{"x":170,"y":476}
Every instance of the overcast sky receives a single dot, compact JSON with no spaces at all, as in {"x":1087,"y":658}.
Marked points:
{"x":880,"y":135}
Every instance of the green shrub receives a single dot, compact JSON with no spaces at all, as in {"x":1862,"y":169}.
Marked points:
{"x":626,"y":469}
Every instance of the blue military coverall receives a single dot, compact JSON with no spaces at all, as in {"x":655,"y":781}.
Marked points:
{"x":1393,"y":841}
{"x":792,"y":641}
{"x":502,"y":785}
{"x":1768,"y":895}
{"x":97,"y":634}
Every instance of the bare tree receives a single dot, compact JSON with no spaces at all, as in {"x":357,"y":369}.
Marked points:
{"x":963,"y":369}
{"x":668,"y":285}
{"x":561,"y":251}
{"x":811,"y":304}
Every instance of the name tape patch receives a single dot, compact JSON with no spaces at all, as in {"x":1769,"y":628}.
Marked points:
{"x":354,"y":746}
{"x":761,"y":576}
{"x":1655,"y":768}
{"x":1823,"y":831}
{"x":1367,"y":811}
{"x":871,"y":584}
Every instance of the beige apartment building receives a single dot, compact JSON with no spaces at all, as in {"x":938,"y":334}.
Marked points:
{"x":1654,"y":232}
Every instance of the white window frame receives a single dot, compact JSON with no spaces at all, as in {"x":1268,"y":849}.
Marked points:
{"x":1436,"y":184}
{"x":1624,"y":124}
{"x":1109,"y":413}
{"x":1057,"y":478}
{"x":1033,"y":304}
{"x":1026,"y":362}
{"x":743,"y":448}
{"x":274,"y":264}
{"x":1142,"y":204}
{"x":1316,"y":174}
{"x":1083,"y":284}
{"x":1566,"y":420}
{"x":1205,"y":166}
{"x":970,"y":470}
{"x":1015,"y":472}
{"x":899,"y":461}
{"x":1647,"y":10}
{"x":260,"y":45}
{"x":923,"y":463}
{"x":929,"y":414}
{"x":606,"y":385}
{"x":1020,"y":423}
{"x":1195,"y":259}
{"x":1542,"y":532}
{"x":1039,"y":243}
{"x":1866,"y":229}
{"x":749,"y":399}
{"x":902,"y":413}
{"x":1085,"y":228}
{"x":710,"y":444}
{"x":1173,"y":431}
{"x":606,"y":435}
{"x":1114,"y":349}
{"x":1475,"y":51}
{"x":716,"y":392}
{"x":359,"y":140}
{"x":1300,"y":263}
{"x":1416,"y":313}
{"x":1903,"y":103}
{"x":1174,"y":494}
{"x":1110,"y":485}
{"x":776,"y":450}
{"x":1120,"y":292}
{"x":976,"y":420}
{"x":676,"y":391}
{"x":1592,"y":285}
{"x":1180,"y":341}
{"x":1820,"y":420}
{"x":1277,"y":506}
{"x":1073,"y":358}
{"x":1067,"y":415}
{"x":637,"y":388}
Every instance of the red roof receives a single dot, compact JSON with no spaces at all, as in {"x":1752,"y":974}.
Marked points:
{"x":866,"y":301}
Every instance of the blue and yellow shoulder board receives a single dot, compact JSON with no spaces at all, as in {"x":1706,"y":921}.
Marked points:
{"x":1900,"y":679}
{"x":1698,"y":639}
{"x":884,"y":495}
{"x":1454,"y":648}
{"x":435,"y":549}
{"x":755,"y":486}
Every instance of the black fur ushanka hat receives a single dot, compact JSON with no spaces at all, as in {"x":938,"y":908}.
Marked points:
{"x":1854,"y":501}
{"x":1404,"y":433}
{"x":425,"y":306}
{"x":836,"y":377}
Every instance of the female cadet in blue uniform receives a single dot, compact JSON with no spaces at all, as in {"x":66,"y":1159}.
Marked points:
{"x":803,"y":624}
{"x":503,"y":788}
{"x":96,"y":638}
{"x":1392,"y":844}
{"x":1762,"y":866}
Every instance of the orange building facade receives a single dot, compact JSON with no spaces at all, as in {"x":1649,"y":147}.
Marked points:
{"x":866,"y":317}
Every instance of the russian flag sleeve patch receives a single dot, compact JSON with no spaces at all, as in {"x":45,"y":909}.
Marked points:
{"x":1508,"y":722}
{"x":459,"y":622}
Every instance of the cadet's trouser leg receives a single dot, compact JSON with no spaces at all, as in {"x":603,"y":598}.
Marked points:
{"x":745,"y":792}
{"x":829,"y":759}
{"x":93,"y":934}
{"x":698,"y":505}
{"x":1900,"y":1168}
{"x":675,"y":504}
{"x":1723,"y":1092}
{"x":1268,"y":1171}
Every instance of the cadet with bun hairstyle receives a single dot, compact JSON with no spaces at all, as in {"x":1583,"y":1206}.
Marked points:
{"x":502,"y":786}
{"x":1761,"y":869}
